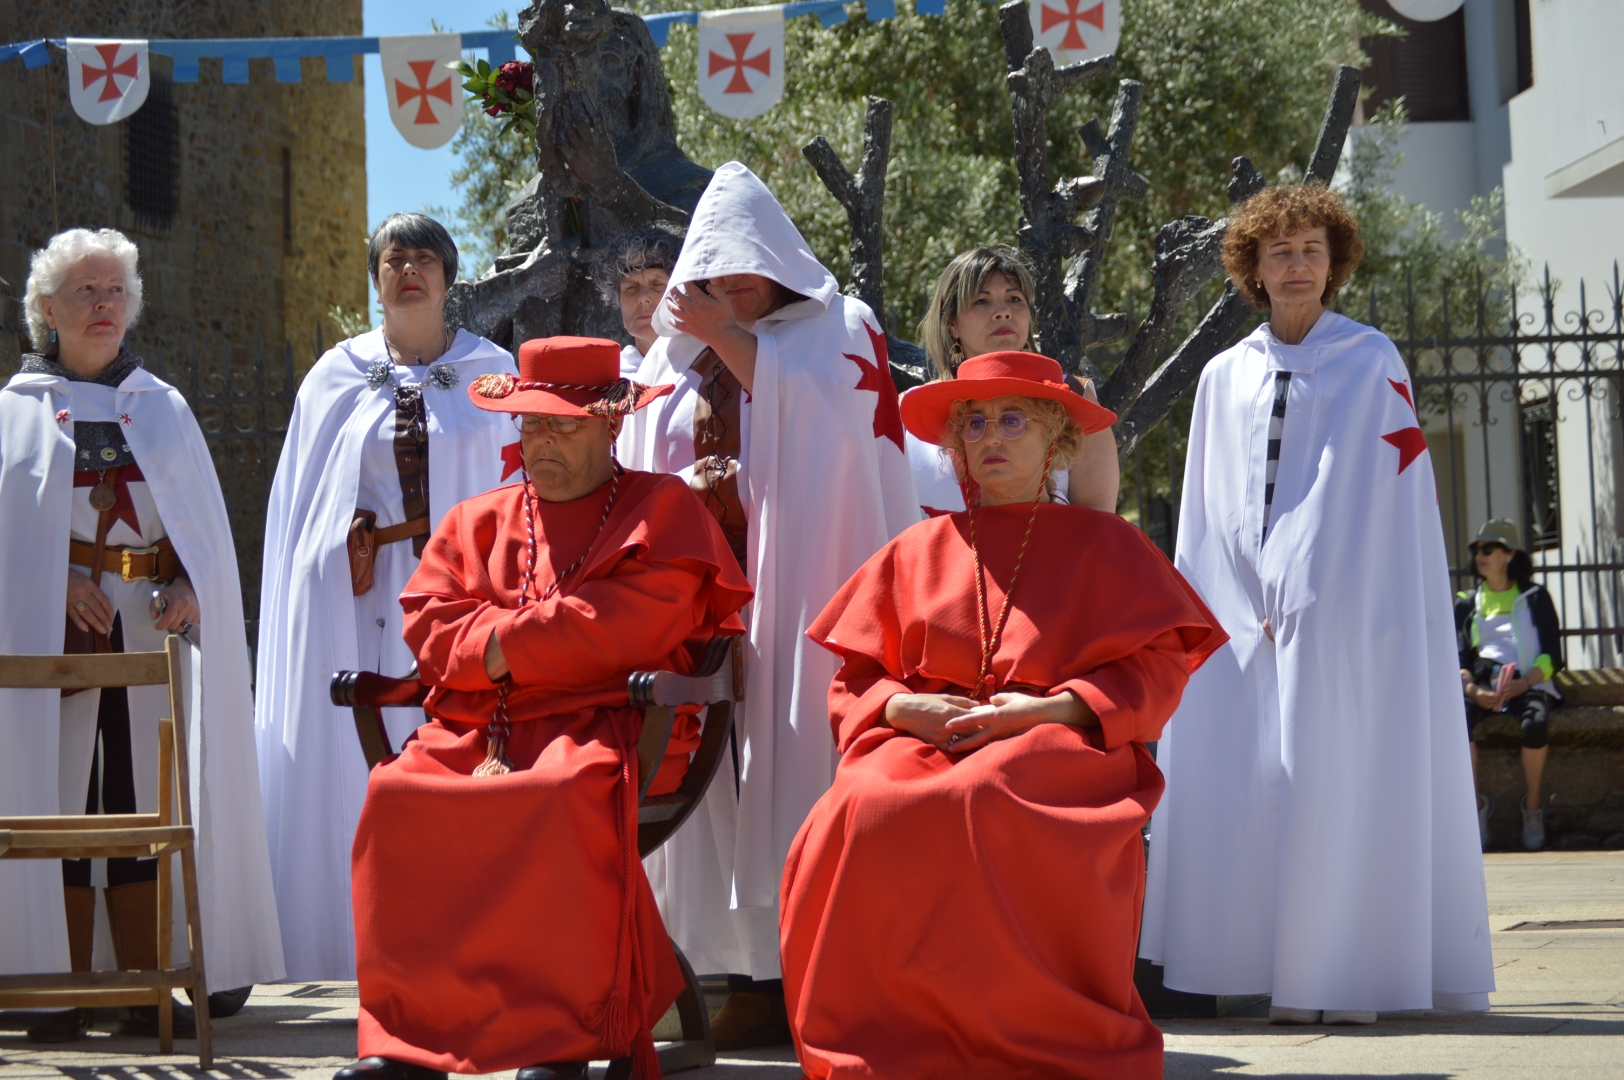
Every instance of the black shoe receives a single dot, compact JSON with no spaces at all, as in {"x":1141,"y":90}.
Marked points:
{"x":142,"y":1020}
{"x":224,"y":1003}
{"x":557,"y":1070}
{"x":59,"y":1025}
{"x":381,"y":1068}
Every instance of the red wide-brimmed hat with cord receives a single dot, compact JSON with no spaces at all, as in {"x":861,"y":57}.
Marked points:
{"x":565,"y":376}
{"x":925,"y":409}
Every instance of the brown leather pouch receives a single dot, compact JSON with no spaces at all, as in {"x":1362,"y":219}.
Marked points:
{"x":363,"y":544}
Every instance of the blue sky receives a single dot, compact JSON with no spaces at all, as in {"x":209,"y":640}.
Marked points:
{"x":400,"y":176}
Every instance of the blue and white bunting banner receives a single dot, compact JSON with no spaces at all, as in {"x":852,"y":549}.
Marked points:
{"x":741,"y":57}
{"x":425,"y":92}
{"x":107,"y":80}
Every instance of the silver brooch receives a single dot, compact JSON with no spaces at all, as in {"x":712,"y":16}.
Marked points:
{"x":445,"y":376}
{"x":380,"y":372}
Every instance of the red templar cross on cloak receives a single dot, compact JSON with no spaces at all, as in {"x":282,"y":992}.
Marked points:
{"x":422,"y":91}
{"x":1410,"y":442}
{"x":1094,"y":16}
{"x":762,"y":62}
{"x":130,"y":69}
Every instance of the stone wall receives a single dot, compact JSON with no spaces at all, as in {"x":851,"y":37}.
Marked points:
{"x":241,"y":270}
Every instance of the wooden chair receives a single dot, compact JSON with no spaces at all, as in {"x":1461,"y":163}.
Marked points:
{"x":717,"y":682}
{"x":101,"y":836}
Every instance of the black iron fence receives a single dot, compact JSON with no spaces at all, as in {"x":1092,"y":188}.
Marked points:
{"x":1520,"y":399}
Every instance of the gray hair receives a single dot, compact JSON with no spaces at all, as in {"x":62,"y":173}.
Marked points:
{"x":417,"y":231}
{"x":634,"y":251}
{"x":957,"y":288}
{"x":50,"y":265}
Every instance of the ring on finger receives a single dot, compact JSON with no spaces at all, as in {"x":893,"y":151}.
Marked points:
{"x":80,"y":606}
{"x":186,"y":626}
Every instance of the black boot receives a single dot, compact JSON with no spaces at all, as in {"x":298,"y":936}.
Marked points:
{"x":59,"y":1025}
{"x":380,"y":1068}
{"x":557,"y":1070}
{"x":142,"y":1020}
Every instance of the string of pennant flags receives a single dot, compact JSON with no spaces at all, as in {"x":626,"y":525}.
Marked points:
{"x":740,"y":52}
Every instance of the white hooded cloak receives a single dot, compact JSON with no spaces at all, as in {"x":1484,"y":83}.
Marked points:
{"x":312,"y":772}
{"x":1318,"y":837}
{"x":825,"y":484}
{"x":44,"y":762}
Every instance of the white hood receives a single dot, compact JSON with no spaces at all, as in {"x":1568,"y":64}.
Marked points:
{"x":739,"y":228}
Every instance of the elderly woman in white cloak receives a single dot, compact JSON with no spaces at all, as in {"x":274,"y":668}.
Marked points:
{"x":785,"y":422}
{"x":382,"y":442}
{"x":112,"y":517}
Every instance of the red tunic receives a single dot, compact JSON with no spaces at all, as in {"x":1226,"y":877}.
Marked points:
{"x":976,"y":915}
{"x":505,"y":921}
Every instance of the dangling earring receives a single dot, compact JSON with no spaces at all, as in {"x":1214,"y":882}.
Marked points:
{"x":53,"y":337}
{"x":956,"y":354}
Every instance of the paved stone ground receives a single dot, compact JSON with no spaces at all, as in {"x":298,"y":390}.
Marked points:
{"x":1559,"y":1013}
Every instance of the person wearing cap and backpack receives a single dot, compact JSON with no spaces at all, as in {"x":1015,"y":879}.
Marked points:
{"x":1508,"y":624}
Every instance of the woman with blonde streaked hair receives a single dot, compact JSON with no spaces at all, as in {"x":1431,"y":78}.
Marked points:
{"x":983,"y":304}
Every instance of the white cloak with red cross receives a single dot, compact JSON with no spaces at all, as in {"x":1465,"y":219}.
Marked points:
{"x":1318,"y":838}
{"x":37,"y":416}
{"x":825,"y":484}
{"x":312,"y":773}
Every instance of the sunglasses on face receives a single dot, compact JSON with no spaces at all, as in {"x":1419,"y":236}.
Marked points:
{"x":529,"y":424}
{"x":1483,"y":549}
{"x":1012,"y":425}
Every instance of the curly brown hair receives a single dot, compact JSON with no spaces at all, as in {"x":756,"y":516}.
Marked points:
{"x":1280,"y":211}
{"x":1050,"y":418}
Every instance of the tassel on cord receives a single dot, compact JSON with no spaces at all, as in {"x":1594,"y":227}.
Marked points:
{"x":645,"y":1061}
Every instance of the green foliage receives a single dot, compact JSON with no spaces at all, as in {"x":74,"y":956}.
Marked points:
{"x":349,"y":323}
{"x":495,"y":160}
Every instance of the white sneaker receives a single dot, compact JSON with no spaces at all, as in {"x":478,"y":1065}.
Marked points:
{"x":1282,"y":1014}
{"x":1484,"y":806}
{"x":1533,"y":828}
{"x":1348,"y":1016}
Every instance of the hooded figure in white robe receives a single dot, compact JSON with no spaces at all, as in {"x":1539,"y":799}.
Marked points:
{"x":339,"y":457}
{"x":1318,"y":838}
{"x":48,"y":743}
{"x":824,"y":484}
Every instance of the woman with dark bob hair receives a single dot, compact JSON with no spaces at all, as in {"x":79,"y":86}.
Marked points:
{"x":1317,"y":842}
{"x":382,"y":442}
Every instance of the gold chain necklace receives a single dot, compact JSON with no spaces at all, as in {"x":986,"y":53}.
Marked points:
{"x":992,"y":636}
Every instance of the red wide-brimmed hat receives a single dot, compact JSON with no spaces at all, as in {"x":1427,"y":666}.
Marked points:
{"x":925,"y":409}
{"x":565,"y":376}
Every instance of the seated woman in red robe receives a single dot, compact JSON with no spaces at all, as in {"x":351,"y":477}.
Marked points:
{"x":964,"y":902}
{"x":502,"y":919}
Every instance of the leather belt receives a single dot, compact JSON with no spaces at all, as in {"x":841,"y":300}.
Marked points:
{"x":391,"y":534}
{"x":156,"y":563}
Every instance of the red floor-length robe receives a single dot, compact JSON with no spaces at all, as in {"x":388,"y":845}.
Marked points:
{"x":967,"y":916}
{"x":505,"y":921}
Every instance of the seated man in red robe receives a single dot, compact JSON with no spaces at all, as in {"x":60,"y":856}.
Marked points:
{"x":502,"y":919}
{"x":964,"y":902}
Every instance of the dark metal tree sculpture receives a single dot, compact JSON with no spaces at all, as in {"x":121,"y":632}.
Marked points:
{"x":607,"y":161}
{"x":1066,"y":254}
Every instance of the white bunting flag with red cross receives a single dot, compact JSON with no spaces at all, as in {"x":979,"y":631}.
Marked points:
{"x":1074,"y":30}
{"x":1426,"y":10}
{"x":741,"y":60}
{"x":424,"y":91}
{"x":107,"y":80}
